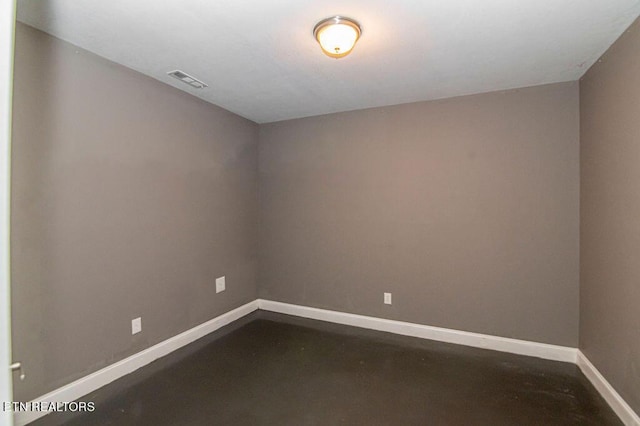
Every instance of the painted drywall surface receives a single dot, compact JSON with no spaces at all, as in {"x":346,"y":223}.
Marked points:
{"x":610,"y":215}
{"x":465,"y":209}
{"x":129,"y":198}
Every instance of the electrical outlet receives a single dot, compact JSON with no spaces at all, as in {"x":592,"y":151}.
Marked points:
{"x":136,"y":325}
{"x":220,"y":284}
{"x":387,"y":298}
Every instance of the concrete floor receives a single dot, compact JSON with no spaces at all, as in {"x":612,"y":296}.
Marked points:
{"x":271,"y":369}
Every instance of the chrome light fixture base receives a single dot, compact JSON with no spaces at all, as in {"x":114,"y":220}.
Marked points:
{"x":335,"y":50}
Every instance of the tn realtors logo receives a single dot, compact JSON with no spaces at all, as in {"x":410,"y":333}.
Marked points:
{"x":49,"y":406}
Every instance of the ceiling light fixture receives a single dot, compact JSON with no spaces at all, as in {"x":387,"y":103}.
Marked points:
{"x":337,"y":35}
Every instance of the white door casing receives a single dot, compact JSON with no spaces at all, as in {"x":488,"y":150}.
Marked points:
{"x":7,"y":31}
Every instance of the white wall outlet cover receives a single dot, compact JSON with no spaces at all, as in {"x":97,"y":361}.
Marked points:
{"x":136,"y":325}
{"x":387,"y":298}
{"x":220,"y":284}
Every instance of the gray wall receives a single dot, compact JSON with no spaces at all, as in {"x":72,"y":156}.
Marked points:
{"x":610,"y":215}
{"x":465,"y":209}
{"x":129,"y":198}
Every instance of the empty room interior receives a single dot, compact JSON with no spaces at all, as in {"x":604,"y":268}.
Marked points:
{"x":331,"y":212}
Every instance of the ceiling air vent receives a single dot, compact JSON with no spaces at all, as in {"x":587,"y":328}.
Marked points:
{"x":186,"y":78}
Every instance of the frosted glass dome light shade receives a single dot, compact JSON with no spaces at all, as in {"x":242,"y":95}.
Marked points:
{"x":337,"y":35}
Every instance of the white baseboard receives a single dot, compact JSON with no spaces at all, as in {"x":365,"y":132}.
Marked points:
{"x":100,"y":378}
{"x":94,"y":381}
{"x":613,"y":398}
{"x":496,"y":343}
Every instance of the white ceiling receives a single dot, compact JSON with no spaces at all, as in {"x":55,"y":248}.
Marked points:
{"x":261,"y":61}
